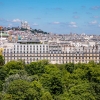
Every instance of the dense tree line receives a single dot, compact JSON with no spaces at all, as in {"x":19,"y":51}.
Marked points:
{"x":44,"y":81}
{"x":38,"y":31}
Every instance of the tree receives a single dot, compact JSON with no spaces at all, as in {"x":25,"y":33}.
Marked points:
{"x":51,"y":79}
{"x":51,"y":69}
{"x":21,"y":75}
{"x":93,"y":75}
{"x":35,"y":91}
{"x":70,"y":67}
{"x":36,"y":67}
{"x":13,"y":67}
{"x":1,"y":87}
{"x":18,"y":89}
{"x":46,"y":96}
{"x":2,"y":61}
{"x":43,"y":81}
{"x":3,"y":73}
{"x":81,"y":91}
{"x":5,"y":96}
{"x":56,"y":86}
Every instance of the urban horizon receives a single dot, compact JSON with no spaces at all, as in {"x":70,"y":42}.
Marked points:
{"x":56,"y":16}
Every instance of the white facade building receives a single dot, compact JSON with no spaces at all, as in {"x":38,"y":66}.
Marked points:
{"x":25,"y":25}
{"x":54,"y":53}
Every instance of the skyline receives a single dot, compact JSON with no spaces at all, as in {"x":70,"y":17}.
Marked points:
{"x":56,"y":16}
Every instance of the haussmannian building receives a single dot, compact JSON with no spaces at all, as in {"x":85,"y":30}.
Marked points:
{"x":30,"y":51}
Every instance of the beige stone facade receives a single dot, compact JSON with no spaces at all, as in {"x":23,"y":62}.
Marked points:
{"x":53,"y":53}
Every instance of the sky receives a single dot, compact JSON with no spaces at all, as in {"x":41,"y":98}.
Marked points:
{"x":56,"y":16}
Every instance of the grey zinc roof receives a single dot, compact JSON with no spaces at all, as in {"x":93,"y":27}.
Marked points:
{"x":24,"y":41}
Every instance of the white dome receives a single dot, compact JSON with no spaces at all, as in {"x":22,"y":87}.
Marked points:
{"x":25,"y":21}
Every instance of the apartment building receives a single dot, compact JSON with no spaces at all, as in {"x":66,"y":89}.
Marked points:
{"x":55,"y":53}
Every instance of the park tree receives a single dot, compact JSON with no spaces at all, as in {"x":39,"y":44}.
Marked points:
{"x":93,"y":75}
{"x":21,"y":75}
{"x":56,"y":86}
{"x":51,"y":80}
{"x":70,"y":67}
{"x":81,"y":91}
{"x":35,"y":91}
{"x":5,"y":96}
{"x":18,"y":89}
{"x":3,"y":73}
{"x":13,"y":67}
{"x":43,"y":81}
{"x":52,"y":70}
{"x":1,"y":85}
{"x":2,"y":61}
{"x":36,"y":67}
{"x":46,"y":96}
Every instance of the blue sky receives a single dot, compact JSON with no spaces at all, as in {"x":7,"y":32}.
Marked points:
{"x":56,"y":16}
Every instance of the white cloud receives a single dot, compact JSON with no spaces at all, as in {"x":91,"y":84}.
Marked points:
{"x":73,"y":26}
{"x":93,"y":22}
{"x":72,"y":23}
{"x":56,"y":22}
{"x":16,"y":20}
{"x":35,"y":24}
{"x":98,"y":25}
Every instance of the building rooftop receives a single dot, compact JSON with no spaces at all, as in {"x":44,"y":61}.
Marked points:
{"x":5,"y":34}
{"x":29,"y":41}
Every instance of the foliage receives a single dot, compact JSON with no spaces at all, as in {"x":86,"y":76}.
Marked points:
{"x":56,"y":86}
{"x":3,"y":73}
{"x":1,"y":83}
{"x":43,"y":81}
{"x":36,"y":67}
{"x":46,"y":96}
{"x":2,"y":61}
{"x":13,"y":67}
{"x":18,"y":89}
{"x":70,"y":67}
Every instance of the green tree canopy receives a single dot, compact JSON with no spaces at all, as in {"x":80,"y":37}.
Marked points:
{"x":2,"y":61}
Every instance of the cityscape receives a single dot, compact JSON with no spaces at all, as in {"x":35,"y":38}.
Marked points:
{"x":49,"y":49}
{"x":32,"y":45}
